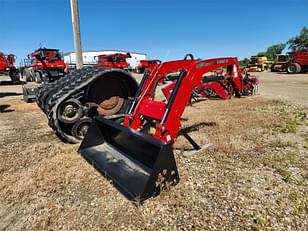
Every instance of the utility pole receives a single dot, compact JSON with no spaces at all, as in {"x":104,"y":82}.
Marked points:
{"x":76,"y":29}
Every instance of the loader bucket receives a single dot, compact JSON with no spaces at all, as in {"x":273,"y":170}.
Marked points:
{"x":138,"y":165}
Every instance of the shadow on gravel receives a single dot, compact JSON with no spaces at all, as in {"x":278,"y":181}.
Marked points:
{"x":8,"y":82}
{"x":285,"y":73}
{"x":4,"y":108}
{"x":4,"y":94}
{"x":197,"y":126}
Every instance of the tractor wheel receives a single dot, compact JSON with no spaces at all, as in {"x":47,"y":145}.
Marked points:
{"x":81,"y":127}
{"x":298,"y":68}
{"x":14,"y":75}
{"x":108,"y":94}
{"x":27,"y":75}
{"x":293,"y":68}
{"x":25,"y":95}
{"x":70,"y":111}
{"x":37,"y":76}
{"x":273,"y":68}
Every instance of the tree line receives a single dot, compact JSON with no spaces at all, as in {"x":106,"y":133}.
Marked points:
{"x":299,"y":42}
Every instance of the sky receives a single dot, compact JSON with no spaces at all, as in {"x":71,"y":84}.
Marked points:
{"x":162,"y":29}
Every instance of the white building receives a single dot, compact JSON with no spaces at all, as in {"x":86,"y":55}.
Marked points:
{"x":90,"y":57}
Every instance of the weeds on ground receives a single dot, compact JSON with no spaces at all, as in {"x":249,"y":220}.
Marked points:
{"x":294,"y":115}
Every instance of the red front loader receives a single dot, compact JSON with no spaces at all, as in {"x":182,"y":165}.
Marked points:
{"x":137,"y":154}
{"x":220,"y":83}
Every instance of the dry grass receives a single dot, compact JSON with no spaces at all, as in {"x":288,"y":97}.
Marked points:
{"x":253,"y":177}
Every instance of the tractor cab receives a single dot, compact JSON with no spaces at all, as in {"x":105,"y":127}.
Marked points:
{"x":290,"y":55}
{"x":282,"y":58}
{"x":47,"y":55}
{"x":280,"y":62}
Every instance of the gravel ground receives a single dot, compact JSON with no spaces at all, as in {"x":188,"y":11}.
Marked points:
{"x":252,"y":177}
{"x":282,"y":86}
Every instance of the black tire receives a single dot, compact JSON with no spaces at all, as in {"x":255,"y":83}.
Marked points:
{"x":70,"y":111}
{"x":298,"y":68}
{"x":91,"y":85}
{"x":23,"y":75}
{"x":25,"y":95}
{"x":273,"y":68}
{"x":292,"y":68}
{"x":14,"y":75}
{"x":80,"y":128}
{"x":110,"y":90}
{"x":32,"y":74}
{"x":38,"y":77}
{"x":27,"y":74}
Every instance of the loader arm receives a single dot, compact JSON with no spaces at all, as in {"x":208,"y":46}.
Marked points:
{"x":167,"y":115}
{"x":138,"y":161}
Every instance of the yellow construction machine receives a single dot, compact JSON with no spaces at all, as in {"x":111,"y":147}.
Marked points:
{"x":258,"y":63}
{"x":279,"y":63}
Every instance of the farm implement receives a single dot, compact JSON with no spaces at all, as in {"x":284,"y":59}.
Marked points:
{"x":42,"y":66}
{"x":135,"y":151}
{"x":117,"y":60}
{"x":297,"y":62}
{"x":147,"y":65}
{"x":7,"y":66}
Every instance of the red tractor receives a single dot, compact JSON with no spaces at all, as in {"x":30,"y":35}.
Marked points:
{"x":117,"y":60}
{"x":7,"y":66}
{"x":298,"y":62}
{"x":43,"y":65}
{"x":135,"y":153}
{"x":147,"y":65}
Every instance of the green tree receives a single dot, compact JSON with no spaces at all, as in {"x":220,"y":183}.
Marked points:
{"x":243,"y":63}
{"x":272,"y":51}
{"x":299,"y":42}
{"x":262,"y":53}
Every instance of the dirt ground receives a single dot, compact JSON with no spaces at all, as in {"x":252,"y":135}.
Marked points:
{"x":252,"y":177}
{"x":281,"y":86}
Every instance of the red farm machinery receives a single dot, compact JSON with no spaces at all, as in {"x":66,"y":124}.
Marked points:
{"x":117,"y":60}
{"x":135,"y":151}
{"x":7,"y":66}
{"x":147,"y":65}
{"x":297,"y":63}
{"x":42,"y":66}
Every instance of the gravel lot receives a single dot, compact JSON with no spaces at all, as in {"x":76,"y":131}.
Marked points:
{"x":252,"y":177}
{"x":281,"y":86}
